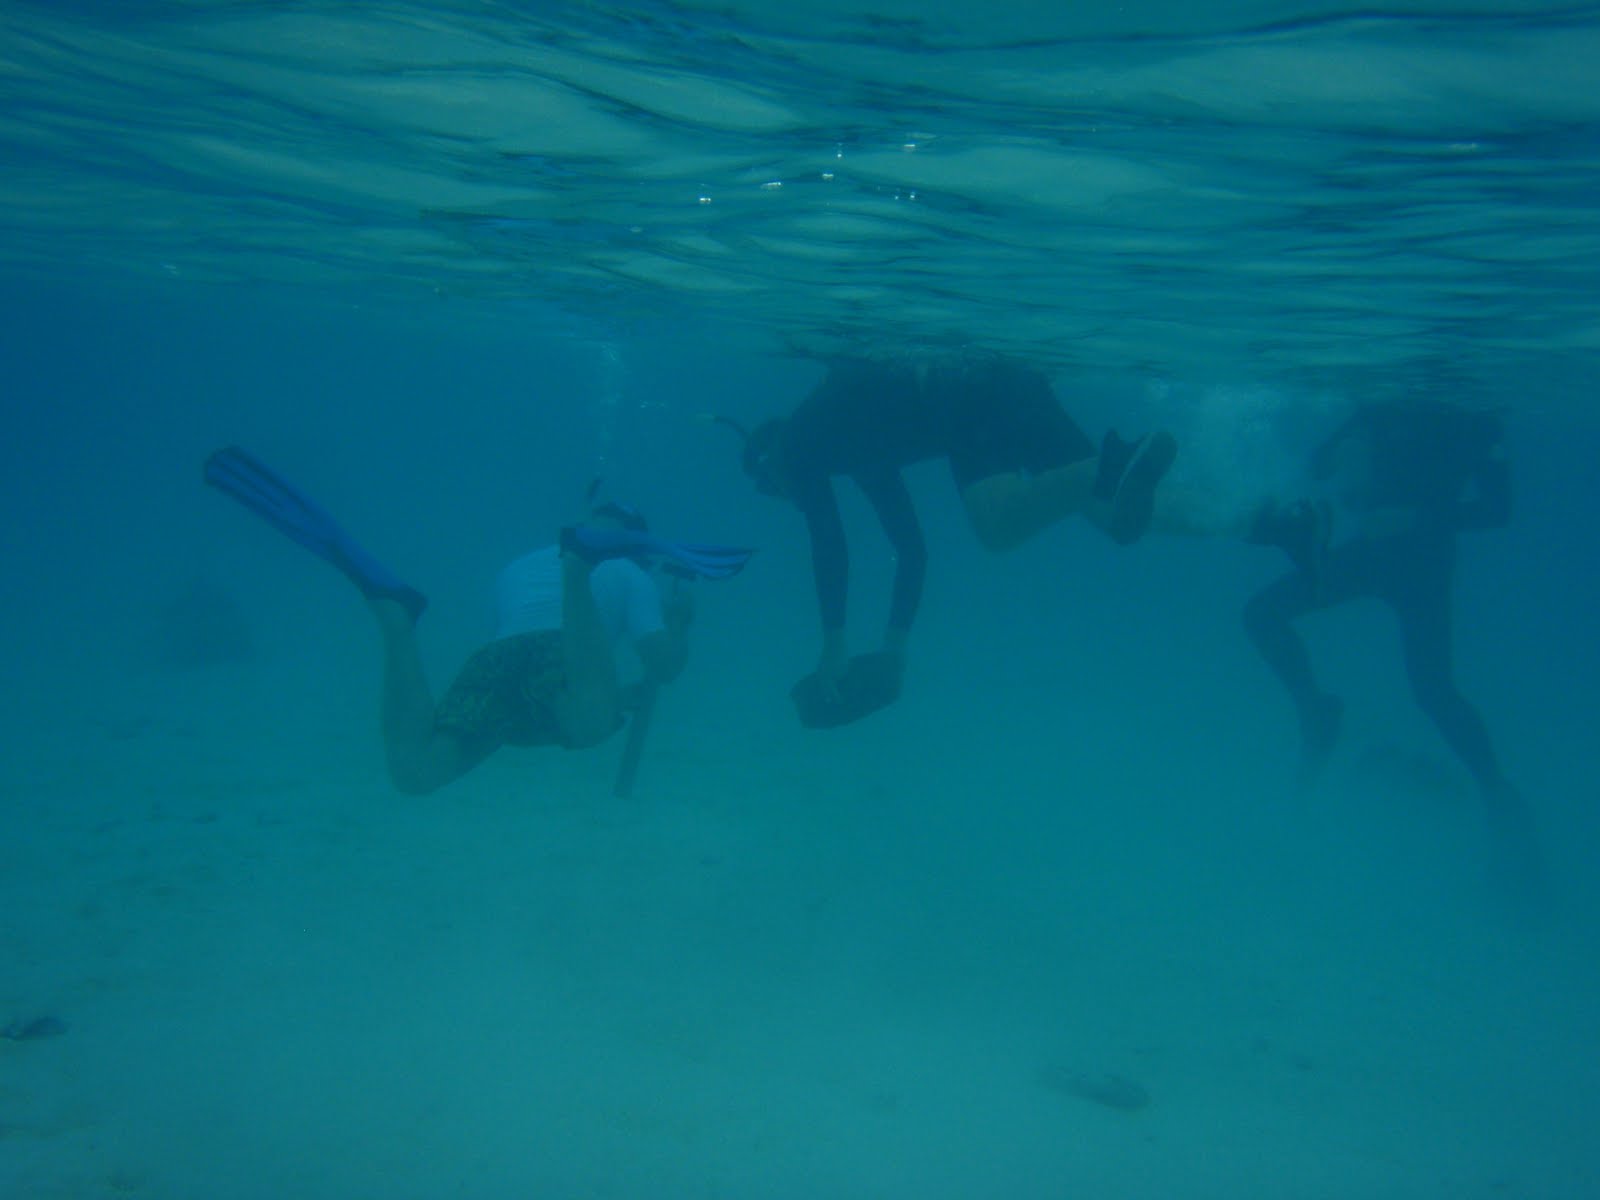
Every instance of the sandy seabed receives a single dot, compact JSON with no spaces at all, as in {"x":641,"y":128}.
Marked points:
{"x":871,"y":963}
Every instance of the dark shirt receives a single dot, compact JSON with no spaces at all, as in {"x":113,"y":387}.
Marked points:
{"x":866,"y":421}
{"x":1446,"y":463}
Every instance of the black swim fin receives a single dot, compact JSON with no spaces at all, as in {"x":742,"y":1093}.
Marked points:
{"x":869,"y":682}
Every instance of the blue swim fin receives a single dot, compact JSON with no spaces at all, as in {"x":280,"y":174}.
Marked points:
{"x":690,"y":558}
{"x":272,"y":498}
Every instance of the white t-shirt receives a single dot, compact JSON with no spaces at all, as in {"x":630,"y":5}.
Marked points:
{"x":528,"y":597}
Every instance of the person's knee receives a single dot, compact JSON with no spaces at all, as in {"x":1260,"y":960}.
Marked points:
{"x":990,"y":505}
{"x":991,"y":535}
{"x":983,"y":518}
{"x":995,"y":527}
{"x":423,"y":770}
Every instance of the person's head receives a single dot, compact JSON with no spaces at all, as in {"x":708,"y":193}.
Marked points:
{"x":764,"y":458}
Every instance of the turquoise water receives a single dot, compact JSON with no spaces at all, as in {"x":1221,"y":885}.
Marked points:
{"x":444,"y":264}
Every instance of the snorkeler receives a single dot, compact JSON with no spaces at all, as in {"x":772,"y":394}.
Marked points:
{"x":549,"y":676}
{"x":1019,"y":462}
{"x":1413,"y":474}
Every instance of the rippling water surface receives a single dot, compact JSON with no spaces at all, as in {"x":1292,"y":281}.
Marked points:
{"x":1248,"y":187}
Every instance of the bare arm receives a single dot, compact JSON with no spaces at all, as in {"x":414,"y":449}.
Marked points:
{"x":665,"y":652}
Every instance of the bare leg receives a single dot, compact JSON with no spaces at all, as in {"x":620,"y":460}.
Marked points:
{"x":1116,"y":493}
{"x":589,"y":709}
{"x":1420,"y":596}
{"x":1184,"y":513}
{"x":1268,"y":619}
{"x":1006,"y":510}
{"x":1425,"y":634}
{"x":421,"y":758}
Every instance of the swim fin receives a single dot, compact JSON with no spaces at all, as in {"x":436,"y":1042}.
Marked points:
{"x":869,"y":682}
{"x":692,"y":558}
{"x":272,"y":498}
{"x":1128,"y":475}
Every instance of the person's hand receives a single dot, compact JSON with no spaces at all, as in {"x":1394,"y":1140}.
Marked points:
{"x":831,"y":667}
{"x":574,"y":564}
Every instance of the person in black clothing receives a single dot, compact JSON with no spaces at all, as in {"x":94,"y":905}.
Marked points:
{"x":1415,"y":474}
{"x":1020,"y":463}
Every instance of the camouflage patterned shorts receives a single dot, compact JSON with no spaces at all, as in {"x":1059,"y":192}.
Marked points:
{"x":506,"y":693}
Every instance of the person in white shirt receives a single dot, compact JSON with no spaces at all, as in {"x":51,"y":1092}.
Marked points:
{"x":549,"y":676}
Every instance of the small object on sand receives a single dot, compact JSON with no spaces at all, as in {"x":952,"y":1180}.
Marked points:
{"x":1108,"y":1091}
{"x":34,"y":1028}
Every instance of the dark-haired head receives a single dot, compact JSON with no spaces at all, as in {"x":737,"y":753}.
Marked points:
{"x":764,"y":459}
{"x":763,"y":453}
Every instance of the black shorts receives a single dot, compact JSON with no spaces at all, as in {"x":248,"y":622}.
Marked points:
{"x":1006,"y":420}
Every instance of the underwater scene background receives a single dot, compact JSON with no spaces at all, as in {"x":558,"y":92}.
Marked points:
{"x":1056,"y":923}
